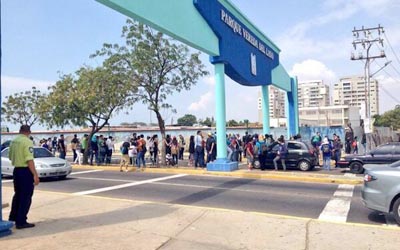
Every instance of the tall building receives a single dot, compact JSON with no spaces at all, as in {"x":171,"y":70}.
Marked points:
{"x":313,"y":94}
{"x":276,"y":103}
{"x":352,"y":91}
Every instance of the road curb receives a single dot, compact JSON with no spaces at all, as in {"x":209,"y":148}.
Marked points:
{"x":283,"y":176}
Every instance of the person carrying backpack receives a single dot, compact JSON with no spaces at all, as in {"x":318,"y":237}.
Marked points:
{"x":326,"y":149}
{"x":281,"y":154}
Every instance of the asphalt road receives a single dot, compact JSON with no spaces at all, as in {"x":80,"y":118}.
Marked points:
{"x":332,"y":202}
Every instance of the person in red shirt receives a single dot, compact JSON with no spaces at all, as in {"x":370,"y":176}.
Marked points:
{"x":250,"y":153}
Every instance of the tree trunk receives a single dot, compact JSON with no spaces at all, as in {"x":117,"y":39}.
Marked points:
{"x":88,"y":148}
{"x":161,"y":125}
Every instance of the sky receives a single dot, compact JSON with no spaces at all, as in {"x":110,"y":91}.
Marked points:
{"x":43,"y":39}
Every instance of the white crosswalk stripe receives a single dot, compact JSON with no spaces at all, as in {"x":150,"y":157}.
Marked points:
{"x":131,"y":184}
{"x":338,"y":207}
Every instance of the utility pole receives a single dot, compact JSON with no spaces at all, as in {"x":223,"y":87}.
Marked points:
{"x":363,"y":39}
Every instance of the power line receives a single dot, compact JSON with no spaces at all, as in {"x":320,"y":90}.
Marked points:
{"x":391,"y":48}
{"x":387,"y":61}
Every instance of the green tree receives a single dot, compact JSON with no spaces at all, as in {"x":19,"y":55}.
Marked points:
{"x":209,"y":122}
{"x":88,"y":98}
{"x":187,"y":120}
{"x":390,"y":118}
{"x":232,"y":123}
{"x":22,"y":108}
{"x":157,"y":65}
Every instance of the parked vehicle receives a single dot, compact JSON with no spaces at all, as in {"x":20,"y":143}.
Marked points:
{"x":5,"y":144}
{"x":383,"y":154}
{"x":47,"y":165}
{"x":381,"y":190}
{"x":301,"y":155}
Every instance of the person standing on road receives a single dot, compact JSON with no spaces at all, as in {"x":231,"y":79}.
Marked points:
{"x":61,"y":147}
{"x":124,"y":156}
{"x":210,"y":148}
{"x":25,"y":177}
{"x":349,"y":137}
{"x":182,"y":145}
{"x":326,"y":149}
{"x":191,"y":151}
{"x":250,"y":152}
{"x":337,"y":149}
{"x":199,"y":150}
{"x":141,"y":148}
{"x":110,"y":149}
{"x":74,"y":144}
{"x":281,"y":154}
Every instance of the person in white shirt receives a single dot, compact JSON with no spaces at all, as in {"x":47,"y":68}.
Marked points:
{"x":110,"y":149}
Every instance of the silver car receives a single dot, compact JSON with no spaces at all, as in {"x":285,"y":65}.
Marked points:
{"x":47,"y":165}
{"x":381,"y":191}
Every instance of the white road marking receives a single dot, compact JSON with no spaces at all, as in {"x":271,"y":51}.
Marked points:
{"x":6,"y":181}
{"x":338,"y":207}
{"x":93,"y":191}
{"x":350,"y":175}
{"x":88,"y":171}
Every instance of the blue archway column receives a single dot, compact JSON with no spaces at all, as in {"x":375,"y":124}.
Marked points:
{"x":221,"y":163}
{"x":265,"y":108}
{"x":292,"y":109}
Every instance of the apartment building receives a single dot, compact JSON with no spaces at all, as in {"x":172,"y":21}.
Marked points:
{"x":276,"y":103}
{"x":353,"y":91}
{"x":313,"y":94}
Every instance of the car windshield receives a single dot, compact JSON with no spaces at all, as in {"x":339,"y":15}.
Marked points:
{"x":41,"y":153}
{"x":395,"y":164}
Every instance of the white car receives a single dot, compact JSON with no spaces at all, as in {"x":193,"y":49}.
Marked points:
{"x":47,"y":165}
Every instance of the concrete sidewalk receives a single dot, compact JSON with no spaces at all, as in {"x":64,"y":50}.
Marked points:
{"x":65,"y":221}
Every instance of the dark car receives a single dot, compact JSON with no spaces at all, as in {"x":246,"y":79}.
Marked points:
{"x":383,"y":154}
{"x":301,"y":155}
{"x":5,"y":144}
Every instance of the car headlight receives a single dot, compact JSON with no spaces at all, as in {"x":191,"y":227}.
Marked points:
{"x":41,"y":165}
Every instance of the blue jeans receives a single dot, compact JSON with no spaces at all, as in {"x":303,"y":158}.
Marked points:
{"x":199,"y":157}
{"x":140,"y":158}
{"x":327,"y":162}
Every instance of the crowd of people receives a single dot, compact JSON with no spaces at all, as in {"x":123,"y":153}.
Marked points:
{"x":201,"y":148}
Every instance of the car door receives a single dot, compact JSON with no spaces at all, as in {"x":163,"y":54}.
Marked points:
{"x":396,"y":153}
{"x":295,"y":151}
{"x":6,"y":167}
{"x":381,"y":155}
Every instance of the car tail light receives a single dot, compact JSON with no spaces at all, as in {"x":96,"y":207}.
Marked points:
{"x":368,"y":178}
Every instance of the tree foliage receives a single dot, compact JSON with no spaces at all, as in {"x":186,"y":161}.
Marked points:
{"x":187,"y":120}
{"x":209,"y":122}
{"x":232,"y":123}
{"x":156,"y":65}
{"x":90,"y":97}
{"x":389,"y":119}
{"x":22,"y":108}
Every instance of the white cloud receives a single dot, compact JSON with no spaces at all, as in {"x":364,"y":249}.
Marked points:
{"x":312,"y":70}
{"x":205,"y":101}
{"x":209,"y":80}
{"x":12,"y":84}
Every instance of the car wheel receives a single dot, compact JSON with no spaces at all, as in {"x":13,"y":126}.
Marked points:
{"x":356,"y":167}
{"x":62,"y":177}
{"x":396,"y":210}
{"x":256,"y":164}
{"x":304,"y":165}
